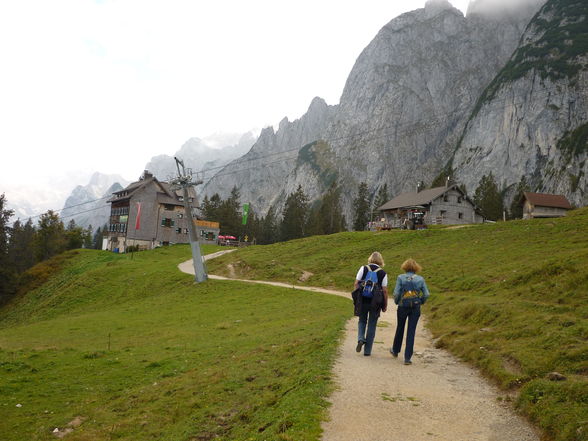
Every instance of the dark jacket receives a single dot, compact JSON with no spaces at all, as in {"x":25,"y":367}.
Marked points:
{"x":378,"y":301}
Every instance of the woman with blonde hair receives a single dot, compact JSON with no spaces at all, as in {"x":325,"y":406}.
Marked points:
{"x":410,"y":293}
{"x":371,"y":284}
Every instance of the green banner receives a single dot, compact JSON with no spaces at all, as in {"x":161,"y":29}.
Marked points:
{"x":245,"y":214}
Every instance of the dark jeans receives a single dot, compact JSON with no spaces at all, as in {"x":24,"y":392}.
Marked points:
{"x":367,"y":319}
{"x":402,"y":314}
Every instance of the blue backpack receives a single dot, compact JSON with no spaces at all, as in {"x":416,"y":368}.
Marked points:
{"x":370,"y":282}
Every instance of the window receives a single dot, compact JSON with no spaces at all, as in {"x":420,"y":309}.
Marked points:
{"x":167,"y":222}
{"x":180,"y":215}
{"x":178,"y":230}
{"x":459,"y":200}
{"x":445,"y":198}
{"x":460,"y":215}
{"x":442,"y":213}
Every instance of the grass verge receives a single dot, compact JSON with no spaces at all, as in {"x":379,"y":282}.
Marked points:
{"x":511,"y":298}
{"x":117,"y":348}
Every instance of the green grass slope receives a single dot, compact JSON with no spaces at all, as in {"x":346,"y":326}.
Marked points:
{"x":511,"y":298}
{"x":133,"y":350}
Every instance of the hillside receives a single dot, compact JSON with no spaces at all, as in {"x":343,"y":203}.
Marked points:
{"x":134,"y":349}
{"x":127,"y":347}
{"x":511,"y":298}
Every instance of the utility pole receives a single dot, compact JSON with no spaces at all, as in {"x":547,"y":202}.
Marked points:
{"x":184,"y":181}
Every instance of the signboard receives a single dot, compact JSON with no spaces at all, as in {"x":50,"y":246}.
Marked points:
{"x":245,"y":214}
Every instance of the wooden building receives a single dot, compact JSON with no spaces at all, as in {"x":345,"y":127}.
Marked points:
{"x":148,"y":214}
{"x":544,"y":205}
{"x":447,"y":205}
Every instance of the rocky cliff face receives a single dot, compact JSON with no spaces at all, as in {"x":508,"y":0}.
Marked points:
{"x":87,"y":204}
{"x":532,"y":120}
{"x":401,"y":114}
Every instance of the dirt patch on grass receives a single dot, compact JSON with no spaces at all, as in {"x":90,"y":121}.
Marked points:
{"x":231,"y":270}
{"x":305,"y":276}
{"x":512,"y":365}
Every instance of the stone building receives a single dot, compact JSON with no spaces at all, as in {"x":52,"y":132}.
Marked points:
{"x":148,"y":214}
{"x":544,"y":205}
{"x":447,"y":205}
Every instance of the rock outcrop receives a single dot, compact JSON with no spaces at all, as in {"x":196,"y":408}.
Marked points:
{"x":402,"y":112}
{"x":532,"y":120}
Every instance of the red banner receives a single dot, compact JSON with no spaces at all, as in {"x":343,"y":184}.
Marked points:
{"x":138,"y":221}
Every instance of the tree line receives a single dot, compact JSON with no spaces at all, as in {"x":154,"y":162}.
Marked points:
{"x":299,"y":217}
{"x":25,"y":244}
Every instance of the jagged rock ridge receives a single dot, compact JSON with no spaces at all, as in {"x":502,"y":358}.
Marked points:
{"x":402,"y":111}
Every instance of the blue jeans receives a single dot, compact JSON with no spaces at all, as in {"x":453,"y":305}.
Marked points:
{"x":402,"y":314}
{"x":367,"y":319}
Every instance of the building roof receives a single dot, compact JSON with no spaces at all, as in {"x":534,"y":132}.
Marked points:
{"x":548,"y":200}
{"x":423,"y":197}
{"x":169,"y":195}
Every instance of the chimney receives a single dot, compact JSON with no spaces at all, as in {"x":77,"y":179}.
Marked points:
{"x":146,"y":175}
{"x":419,"y":186}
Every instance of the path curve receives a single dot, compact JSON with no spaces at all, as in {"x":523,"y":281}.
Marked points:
{"x":436,"y":398}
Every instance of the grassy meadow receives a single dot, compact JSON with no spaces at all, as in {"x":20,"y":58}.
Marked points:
{"x":133,"y":350}
{"x":109,"y":346}
{"x":510,"y":298}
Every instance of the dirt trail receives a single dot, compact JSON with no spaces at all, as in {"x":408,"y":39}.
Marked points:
{"x":436,"y":398}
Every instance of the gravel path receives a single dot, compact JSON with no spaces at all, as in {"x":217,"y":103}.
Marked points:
{"x":436,"y":398}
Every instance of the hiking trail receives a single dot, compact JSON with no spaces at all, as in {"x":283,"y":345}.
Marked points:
{"x":438,"y":397}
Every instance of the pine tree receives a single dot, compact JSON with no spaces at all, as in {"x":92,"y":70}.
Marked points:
{"x":488,"y":198}
{"x":20,"y":250}
{"x":7,"y":272}
{"x":313,"y":225}
{"x":361,"y":207}
{"x":74,"y":236}
{"x":269,"y":227}
{"x":210,"y":207}
{"x":382,"y":197}
{"x":294,"y":216}
{"x":330,"y":214}
{"x":98,"y":237}
{"x":5,"y":215}
{"x":228,"y":214}
{"x":87,"y":237}
{"x":50,"y":237}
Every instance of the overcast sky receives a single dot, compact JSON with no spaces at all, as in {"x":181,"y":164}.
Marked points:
{"x":105,"y":85}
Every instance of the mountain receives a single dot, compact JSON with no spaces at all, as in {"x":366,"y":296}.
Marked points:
{"x":532,"y":119}
{"x":198,"y":154}
{"x":402,"y":112}
{"x":87,"y":204}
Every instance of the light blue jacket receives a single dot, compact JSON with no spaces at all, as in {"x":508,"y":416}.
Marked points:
{"x":418,"y":283}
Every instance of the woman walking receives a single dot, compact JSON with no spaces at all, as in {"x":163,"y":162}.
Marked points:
{"x":410,"y":293}
{"x":371,"y":284}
